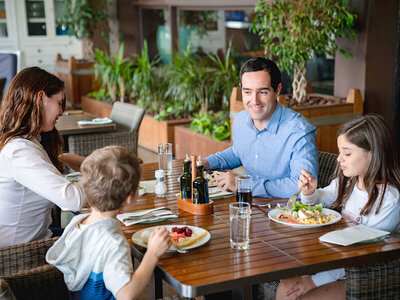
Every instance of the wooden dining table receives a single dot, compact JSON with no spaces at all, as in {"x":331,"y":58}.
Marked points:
{"x":67,"y":124}
{"x":276,"y":251}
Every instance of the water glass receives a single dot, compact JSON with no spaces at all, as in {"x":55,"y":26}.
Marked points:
{"x":165,"y":157}
{"x":244,"y":185}
{"x":239,"y":216}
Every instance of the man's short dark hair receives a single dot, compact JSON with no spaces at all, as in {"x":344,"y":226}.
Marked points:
{"x":259,"y":63}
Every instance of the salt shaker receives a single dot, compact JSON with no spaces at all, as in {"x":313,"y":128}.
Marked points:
{"x":161,"y":188}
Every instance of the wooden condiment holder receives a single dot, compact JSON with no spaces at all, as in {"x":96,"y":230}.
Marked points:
{"x":196,"y":209}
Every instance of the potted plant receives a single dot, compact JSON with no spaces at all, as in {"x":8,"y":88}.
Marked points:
{"x":80,"y":19}
{"x":208,"y":82}
{"x":295,"y":31}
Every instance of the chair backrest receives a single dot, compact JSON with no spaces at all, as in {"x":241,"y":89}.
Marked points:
{"x":327,"y":165}
{"x":127,"y":116}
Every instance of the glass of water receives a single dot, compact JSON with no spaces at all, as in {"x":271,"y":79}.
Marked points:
{"x":165,"y":157}
{"x":239,"y":216}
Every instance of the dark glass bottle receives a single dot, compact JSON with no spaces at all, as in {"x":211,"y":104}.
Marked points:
{"x":186,"y":181}
{"x":200,"y":187}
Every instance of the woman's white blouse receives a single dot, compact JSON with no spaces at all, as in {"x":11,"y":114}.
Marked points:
{"x":30,"y":185}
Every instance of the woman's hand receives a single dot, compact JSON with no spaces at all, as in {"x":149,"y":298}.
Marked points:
{"x":74,"y":161}
{"x":310,"y":183}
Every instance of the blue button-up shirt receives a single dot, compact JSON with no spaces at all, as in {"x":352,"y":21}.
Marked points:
{"x":275,"y":155}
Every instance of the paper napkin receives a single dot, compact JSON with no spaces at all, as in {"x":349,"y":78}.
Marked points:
{"x":216,"y":193}
{"x":352,"y":235}
{"x":96,"y":121}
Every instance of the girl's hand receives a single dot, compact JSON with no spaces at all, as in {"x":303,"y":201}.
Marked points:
{"x":310,"y":183}
{"x":159,"y":242}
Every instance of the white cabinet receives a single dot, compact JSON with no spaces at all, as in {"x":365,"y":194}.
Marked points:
{"x":33,"y":24}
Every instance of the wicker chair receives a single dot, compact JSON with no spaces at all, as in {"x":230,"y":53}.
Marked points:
{"x":127,"y":117}
{"x":327,"y":165}
{"x":380,"y":280}
{"x":24,"y":270}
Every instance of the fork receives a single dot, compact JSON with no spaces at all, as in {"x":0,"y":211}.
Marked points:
{"x":292,"y":199}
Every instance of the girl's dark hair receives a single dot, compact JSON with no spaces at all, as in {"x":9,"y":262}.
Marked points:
{"x":371,"y":133}
{"x":20,"y":112}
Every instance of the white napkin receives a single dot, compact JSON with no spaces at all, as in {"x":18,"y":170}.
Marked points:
{"x":352,"y":235}
{"x":217,"y":193}
{"x":155,"y":216}
{"x":96,"y":121}
{"x":148,"y":185}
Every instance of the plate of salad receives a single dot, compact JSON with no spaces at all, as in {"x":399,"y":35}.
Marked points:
{"x":305,"y":216}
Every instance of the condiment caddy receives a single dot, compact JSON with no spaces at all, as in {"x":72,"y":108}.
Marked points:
{"x":197,"y":190}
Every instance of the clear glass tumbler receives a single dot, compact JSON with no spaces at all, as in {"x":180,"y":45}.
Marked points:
{"x":165,"y":157}
{"x":239,"y":216}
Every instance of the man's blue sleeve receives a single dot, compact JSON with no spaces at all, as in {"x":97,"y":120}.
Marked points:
{"x":227,"y":159}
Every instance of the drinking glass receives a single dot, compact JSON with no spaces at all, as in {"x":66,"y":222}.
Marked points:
{"x":165,"y":157}
{"x":243,"y":191}
{"x":239,"y":216}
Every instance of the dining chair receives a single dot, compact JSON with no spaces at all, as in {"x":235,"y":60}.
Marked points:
{"x":327,"y":166}
{"x":128,"y":118}
{"x":24,"y":270}
{"x":380,"y":280}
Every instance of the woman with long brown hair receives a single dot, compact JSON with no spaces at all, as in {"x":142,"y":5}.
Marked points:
{"x":30,"y":163}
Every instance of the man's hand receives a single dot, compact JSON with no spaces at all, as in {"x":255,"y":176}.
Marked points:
{"x":206,"y":165}
{"x":294,"y":288}
{"x":226,"y":181}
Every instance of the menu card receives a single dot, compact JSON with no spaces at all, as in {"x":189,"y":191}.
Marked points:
{"x":352,"y":235}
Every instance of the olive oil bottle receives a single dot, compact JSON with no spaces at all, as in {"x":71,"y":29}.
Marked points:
{"x":186,"y":181}
{"x":200,"y":186}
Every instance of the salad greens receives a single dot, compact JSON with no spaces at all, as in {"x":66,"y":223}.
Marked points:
{"x":298,"y":206}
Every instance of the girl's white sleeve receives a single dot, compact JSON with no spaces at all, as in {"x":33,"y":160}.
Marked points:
{"x":326,"y":195}
{"x":32,"y":168}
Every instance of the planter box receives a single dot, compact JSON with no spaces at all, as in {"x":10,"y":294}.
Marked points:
{"x":100,"y":109}
{"x":327,"y":118}
{"x":78,"y":77}
{"x":151,"y":132}
{"x":187,"y":142}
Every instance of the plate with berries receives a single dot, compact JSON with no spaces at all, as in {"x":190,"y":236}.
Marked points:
{"x":183,"y":236}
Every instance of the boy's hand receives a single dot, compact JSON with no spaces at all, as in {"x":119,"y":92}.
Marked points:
{"x":310,"y":183}
{"x":159,"y":242}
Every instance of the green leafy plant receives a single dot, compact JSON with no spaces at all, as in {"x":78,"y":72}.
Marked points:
{"x":83,"y":17}
{"x":212,"y":124}
{"x":297,"y":30}
{"x":115,"y":72}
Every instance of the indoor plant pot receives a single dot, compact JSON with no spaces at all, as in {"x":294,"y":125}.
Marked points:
{"x":188,"y":142}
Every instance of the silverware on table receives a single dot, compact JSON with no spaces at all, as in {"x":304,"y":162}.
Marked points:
{"x":267,"y":205}
{"x":292,"y":199}
{"x":154,"y":214}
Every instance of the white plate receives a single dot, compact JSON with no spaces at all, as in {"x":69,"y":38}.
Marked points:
{"x":138,"y":241}
{"x":274,"y":214}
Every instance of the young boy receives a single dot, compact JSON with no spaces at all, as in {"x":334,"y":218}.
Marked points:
{"x":93,"y":253}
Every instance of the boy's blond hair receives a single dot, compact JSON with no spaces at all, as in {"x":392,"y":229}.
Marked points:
{"x":108,"y":176}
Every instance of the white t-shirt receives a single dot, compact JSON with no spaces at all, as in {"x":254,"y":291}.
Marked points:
{"x":386,"y":219}
{"x":30,"y":185}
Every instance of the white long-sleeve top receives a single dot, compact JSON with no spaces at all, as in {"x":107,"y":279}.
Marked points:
{"x":387,"y":218}
{"x":30,"y":185}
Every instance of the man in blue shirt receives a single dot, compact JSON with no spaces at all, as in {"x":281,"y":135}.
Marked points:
{"x":271,"y":141}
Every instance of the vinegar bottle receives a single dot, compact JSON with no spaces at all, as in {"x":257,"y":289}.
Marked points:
{"x":200,"y":186}
{"x":186,"y":181}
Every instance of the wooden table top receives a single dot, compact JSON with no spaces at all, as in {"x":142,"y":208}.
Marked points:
{"x":67,"y":124}
{"x":276,"y":251}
